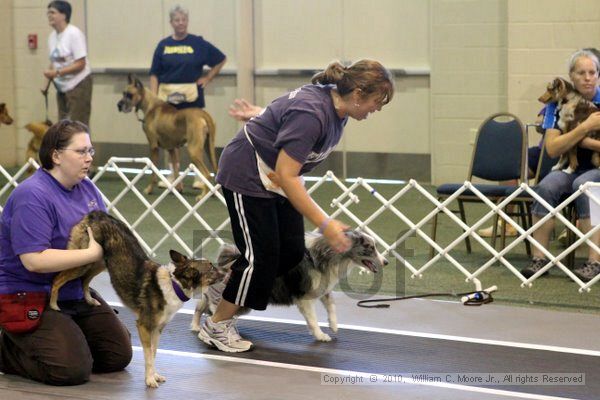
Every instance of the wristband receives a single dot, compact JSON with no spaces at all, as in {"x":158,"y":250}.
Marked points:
{"x":324,"y":225}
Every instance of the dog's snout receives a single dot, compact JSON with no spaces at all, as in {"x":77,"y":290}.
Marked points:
{"x":120,"y":105}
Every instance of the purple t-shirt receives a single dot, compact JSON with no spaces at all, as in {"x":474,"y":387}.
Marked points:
{"x":39,"y":215}
{"x":303,"y":122}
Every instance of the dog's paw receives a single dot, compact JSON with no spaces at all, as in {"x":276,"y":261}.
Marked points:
{"x":151,"y":382}
{"x":154,"y":379}
{"x":195,"y":326}
{"x":199,"y":185}
{"x":148,"y":189}
{"x":54,"y":306}
{"x":333,"y":326}
{"x":92,"y":301}
{"x":200,"y":196}
{"x":322,"y":337}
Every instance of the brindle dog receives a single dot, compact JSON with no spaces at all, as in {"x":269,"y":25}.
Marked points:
{"x":168,"y":128}
{"x":152,"y":291}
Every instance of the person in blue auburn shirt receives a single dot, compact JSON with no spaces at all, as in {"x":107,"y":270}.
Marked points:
{"x":557,"y":185}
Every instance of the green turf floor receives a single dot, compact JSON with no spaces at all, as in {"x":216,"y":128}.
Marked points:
{"x":554,"y":291}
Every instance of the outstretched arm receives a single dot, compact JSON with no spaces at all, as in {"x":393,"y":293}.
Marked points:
{"x":287,"y":172}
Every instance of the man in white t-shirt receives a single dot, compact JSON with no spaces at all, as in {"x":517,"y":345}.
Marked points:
{"x":69,"y":67}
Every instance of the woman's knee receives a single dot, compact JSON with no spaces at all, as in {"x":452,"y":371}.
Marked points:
{"x":71,"y":372}
{"x":117,"y":359}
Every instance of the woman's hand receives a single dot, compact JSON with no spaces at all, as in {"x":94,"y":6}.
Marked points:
{"x":50,"y":73}
{"x":203,"y":81}
{"x":592,"y":122}
{"x":242,"y":110}
{"x":334,"y":232}
{"x":96,"y":251}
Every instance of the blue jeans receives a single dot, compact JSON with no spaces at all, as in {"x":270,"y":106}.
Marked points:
{"x":558,"y":185}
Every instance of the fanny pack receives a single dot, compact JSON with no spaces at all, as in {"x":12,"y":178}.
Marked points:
{"x":22,"y":312}
{"x":177,"y":93}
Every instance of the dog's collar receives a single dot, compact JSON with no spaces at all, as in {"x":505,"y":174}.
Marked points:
{"x":179,"y":291}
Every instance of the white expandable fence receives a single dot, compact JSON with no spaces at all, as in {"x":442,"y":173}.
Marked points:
{"x":342,"y":206}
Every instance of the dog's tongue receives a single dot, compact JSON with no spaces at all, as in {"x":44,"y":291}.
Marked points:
{"x":369,"y":265}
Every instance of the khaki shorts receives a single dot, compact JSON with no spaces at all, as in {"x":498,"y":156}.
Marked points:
{"x":76,"y":104}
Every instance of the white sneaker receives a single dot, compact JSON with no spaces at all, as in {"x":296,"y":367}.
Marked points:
{"x":224,"y":336}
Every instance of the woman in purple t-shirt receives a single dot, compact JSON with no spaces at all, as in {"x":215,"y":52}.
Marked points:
{"x":261,"y":170}
{"x":34,"y":231}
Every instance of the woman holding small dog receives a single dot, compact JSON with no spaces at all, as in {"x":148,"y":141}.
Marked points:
{"x":261,"y":174}
{"x":584,"y":68}
{"x":57,"y":348}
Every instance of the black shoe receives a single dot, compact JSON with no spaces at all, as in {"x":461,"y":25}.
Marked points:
{"x":587,"y":271}
{"x":535,"y":266}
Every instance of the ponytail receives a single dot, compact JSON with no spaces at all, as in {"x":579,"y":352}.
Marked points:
{"x":369,"y":76}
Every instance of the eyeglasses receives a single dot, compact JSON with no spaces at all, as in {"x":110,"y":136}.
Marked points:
{"x":82,"y":152}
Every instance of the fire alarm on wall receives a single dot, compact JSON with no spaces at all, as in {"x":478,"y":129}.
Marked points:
{"x":32,"y":41}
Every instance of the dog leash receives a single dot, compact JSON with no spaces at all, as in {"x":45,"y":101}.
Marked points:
{"x":45,"y":94}
{"x":476,"y":298}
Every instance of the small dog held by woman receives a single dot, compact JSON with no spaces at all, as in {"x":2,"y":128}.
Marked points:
{"x":573,"y":109}
{"x":311,"y":280}
{"x":152,"y":291}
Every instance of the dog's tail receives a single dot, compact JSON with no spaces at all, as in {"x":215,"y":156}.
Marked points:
{"x":38,"y":129}
{"x":212,"y":134}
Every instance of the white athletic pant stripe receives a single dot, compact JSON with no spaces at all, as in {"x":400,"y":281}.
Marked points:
{"x":249,"y":254}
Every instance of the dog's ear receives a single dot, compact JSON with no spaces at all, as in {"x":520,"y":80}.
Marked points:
{"x":138,"y":84}
{"x":2,"y":107}
{"x":130,"y":78}
{"x":177,"y":257}
{"x":354,"y":236}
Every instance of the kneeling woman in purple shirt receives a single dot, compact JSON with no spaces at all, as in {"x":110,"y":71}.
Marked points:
{"x":34,"y":230}
{"x":261,"y":173}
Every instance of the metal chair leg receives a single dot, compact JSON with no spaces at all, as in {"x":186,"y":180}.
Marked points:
{"x":524,"y":221}
{"x":461,"y":208}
